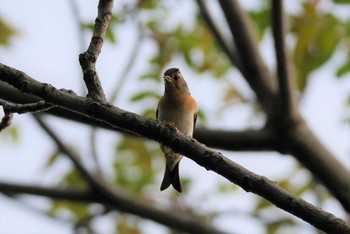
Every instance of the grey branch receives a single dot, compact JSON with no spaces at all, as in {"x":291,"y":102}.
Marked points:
{"x":254,"y":69}
{"x":6,"y":120}
{"x":232,"y":140}
{"x":36,"y":107}
{"x":178,"y":142}
{"x":123,"y":201}
{"x":88,"y":59}
{"x":227,"y":47}
{"x":290,"y":131}
{"x":285,"y":97}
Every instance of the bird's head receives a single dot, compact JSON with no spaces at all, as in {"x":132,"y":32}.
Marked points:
{"x":174,"y":82}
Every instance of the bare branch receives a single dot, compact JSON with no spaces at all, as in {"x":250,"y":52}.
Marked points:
{"x":60,"y":194}
{"x":6,"y":120}
{"x":180,"y":143}
{"x":228,"y":49}
{"x":254,"y":69}
{"x":121,"y":200}
{"x":250,"y":140}
{"x":36,"y":107}
{"x":88,"y":58}
{"x":238,"y":141}
{"x":287,"y":105}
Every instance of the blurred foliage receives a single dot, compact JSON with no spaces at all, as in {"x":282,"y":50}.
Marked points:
{"x":7,"y":32}
{"x":318,"y":35}
{"x":138,"y":165}
{"x":10,"y":134}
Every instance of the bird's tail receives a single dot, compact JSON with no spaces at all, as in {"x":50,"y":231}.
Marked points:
{"x":172,"y":177}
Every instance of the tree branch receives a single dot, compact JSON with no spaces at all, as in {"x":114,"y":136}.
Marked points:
{"x":178,"y":142}
{"x":88,"y":58}
{"x":229,"y":50}
{"x":254,"y":69}
{"x":26,"y":108}
{"x":60,"y":194}
{"x":6,"y":120}
{"x":249,"y":140}
{"x":123,"y":201}
{"x":286,"y":99}
{"x":238,"y":141}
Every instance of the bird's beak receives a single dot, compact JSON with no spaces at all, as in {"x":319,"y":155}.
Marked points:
{"x":168,"y":79}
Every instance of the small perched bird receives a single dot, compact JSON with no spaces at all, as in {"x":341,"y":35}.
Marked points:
{"x":178,"y":108}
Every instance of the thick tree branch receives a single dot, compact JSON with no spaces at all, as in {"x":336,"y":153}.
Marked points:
{"x":181,"y":144}
{"x":88,"y":58}
{"x":254,"y":69}
{"x":249,"y":140}
{"x":116,"y":198}
{"x":231,"y":140}
{"x":316,"y":158}
{"x":285,"y":98}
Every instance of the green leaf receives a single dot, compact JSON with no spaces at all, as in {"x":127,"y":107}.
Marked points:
{"x":345,"y":68}
{"x":272,"y":227}
{"x":78,"y":210}
{"x":10,"y":134}
{"x":134,"y":163}
{"x":262,"y":21}
{"x":52,"y":158}
{"x":318,"y":35}
{"x":7,"y":32}
{"x":74,"y":179}
{"x":143,"y":95}
{"x":110,"y":36}
{"x":342,"y":1}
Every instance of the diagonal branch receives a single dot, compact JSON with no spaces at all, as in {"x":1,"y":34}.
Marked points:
{"x":116,"y":198}
{"x":254,"y":69}
{"x":229,"y":50}
{"x":178,"y":142}
{"x":286,"y":98}
{"x":88,"y":59}
{"x":259,"y":140}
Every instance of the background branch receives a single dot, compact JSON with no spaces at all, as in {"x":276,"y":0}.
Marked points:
{"x":228,"y":47}
{"x":124,"y":201}
{"x":88,"y":58}
{"x":254,"y":70}
{"x":285,"y":98}
{"x":178,"y":142}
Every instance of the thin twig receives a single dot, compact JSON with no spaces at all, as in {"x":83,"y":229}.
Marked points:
{"x":6,"y":120}
{"x":26,"y":108}
{"x":285,"y":81}
{"x":88,"y":59}
{"x":122,"y":78}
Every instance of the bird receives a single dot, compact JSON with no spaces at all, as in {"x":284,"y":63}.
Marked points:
{"x":178,"y":108}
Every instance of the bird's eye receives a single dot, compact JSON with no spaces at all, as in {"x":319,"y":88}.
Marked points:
{"x":176,"y":77}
